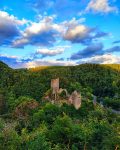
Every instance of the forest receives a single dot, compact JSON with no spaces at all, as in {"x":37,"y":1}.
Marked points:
{"x":29,"y":123}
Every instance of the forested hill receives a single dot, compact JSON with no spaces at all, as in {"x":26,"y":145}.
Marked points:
{"x":3,"y":67}
{"x":27,"y":121}
{"x":104,"y":80}
{"x":113,"y":66}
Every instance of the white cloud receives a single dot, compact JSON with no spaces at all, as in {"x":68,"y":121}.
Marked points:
{"x":73,"y":22}
{"x":19,"y":43}
{"x":6,"y":18}
{"x":101,"y":6}
{"x":51,"y":52}
{"x":42,"y":62}
{"x":7,"y":56}
{"x":47,"y":52}
{"x":103,"y":59}
{"x":79,"y":31}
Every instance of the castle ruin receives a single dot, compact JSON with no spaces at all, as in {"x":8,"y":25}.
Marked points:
{"x":73,"y":99}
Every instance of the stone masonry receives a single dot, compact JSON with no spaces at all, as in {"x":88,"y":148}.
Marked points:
{"x":74,"y":98}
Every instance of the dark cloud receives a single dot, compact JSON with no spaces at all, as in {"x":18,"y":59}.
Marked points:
{"x":25,"y":60}
{"x":100,"y":34}
{"x":92,"y":50}
{"x":113,"y":49}
{"x":116,"y":42}
{"x":42,"y":39}
{"x":60,"y":59}
{"x":8,"y":32}
{"x":9,"y":28}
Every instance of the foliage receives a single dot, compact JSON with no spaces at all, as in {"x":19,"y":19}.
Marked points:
{"x":112,"y":102}
{"x":54,"y":127}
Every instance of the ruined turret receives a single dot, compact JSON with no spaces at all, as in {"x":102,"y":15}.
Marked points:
{"x":75,"y":99}
{"x":55,"y":88}
{"x":55,"y":85}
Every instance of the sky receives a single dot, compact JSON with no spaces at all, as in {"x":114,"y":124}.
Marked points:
{"x":59,"y":32}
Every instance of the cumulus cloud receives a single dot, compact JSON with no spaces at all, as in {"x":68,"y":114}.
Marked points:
{"x":102,"y":59}
{"x":9,"y":27}
{"x":46,"y":32}
{"x":42,"y":33}
{"x":100,"y":34}
{"x":92,"y":50}
{"x":46,"y":52}
{"x":76,"y":32}
{"x":101,"y":6}
{"x":51,"y":52}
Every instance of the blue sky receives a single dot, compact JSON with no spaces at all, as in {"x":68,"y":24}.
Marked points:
{"x":59,"y":32}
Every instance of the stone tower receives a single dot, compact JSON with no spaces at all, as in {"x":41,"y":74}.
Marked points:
{"x":55,"y":87}
{"x":75,"y":99}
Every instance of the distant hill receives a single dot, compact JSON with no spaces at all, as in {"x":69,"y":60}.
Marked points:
{"x":39,"y":68}
{"x":113,"y":66}
{"x":3,"y":66}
